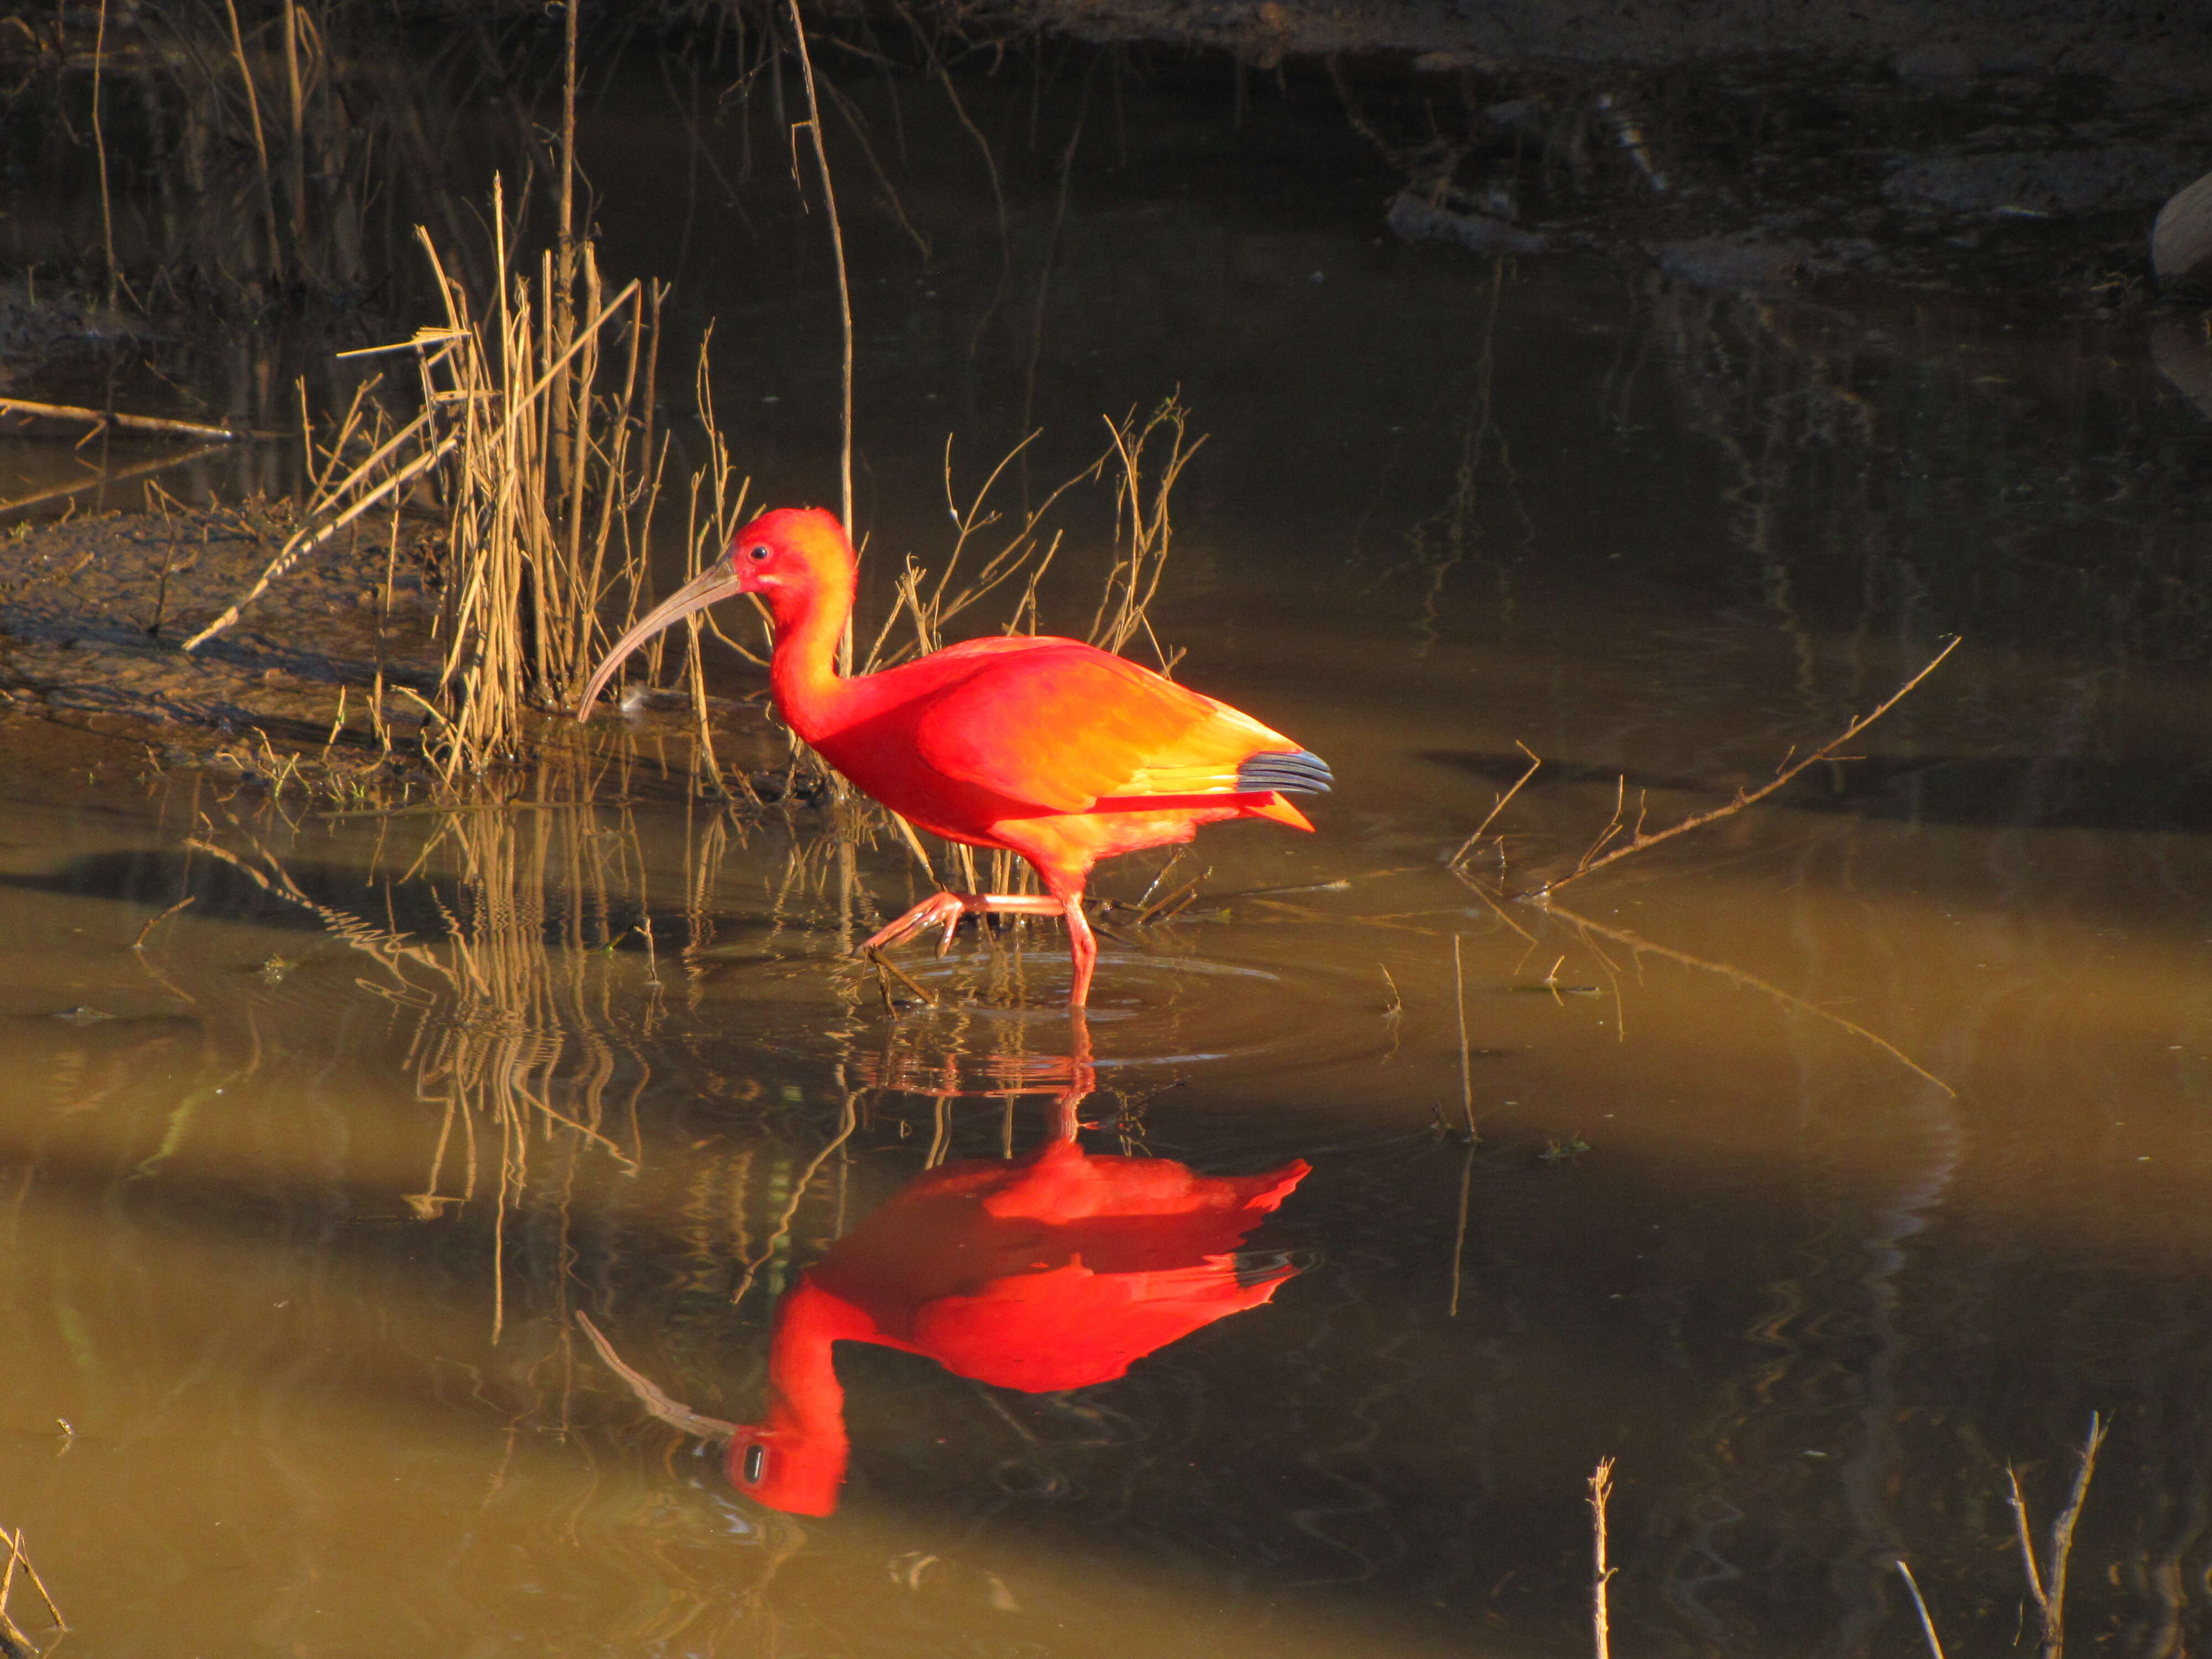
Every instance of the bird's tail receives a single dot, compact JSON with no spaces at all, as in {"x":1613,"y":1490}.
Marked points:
{"x":1272,"y":805}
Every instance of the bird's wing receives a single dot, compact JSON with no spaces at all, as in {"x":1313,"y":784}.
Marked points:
{"x":1060,"y":724}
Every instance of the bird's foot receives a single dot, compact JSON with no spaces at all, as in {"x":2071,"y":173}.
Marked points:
{"x":945,"y":909}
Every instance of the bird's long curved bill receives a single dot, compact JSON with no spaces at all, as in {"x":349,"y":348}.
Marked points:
{"x":697,"y":594}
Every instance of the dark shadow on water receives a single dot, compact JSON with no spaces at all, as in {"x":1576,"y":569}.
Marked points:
{"x":1995,"y":792}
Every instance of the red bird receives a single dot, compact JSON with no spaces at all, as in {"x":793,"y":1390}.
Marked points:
{"x":1055,"y":1270}
{"x":1045,"y":747}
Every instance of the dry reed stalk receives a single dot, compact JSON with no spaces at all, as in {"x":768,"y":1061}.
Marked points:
{"x":1595,"y":859}
{"x":299,"y":152}
{"x":99,"y":150}
{"x":1465,"y":1071}
{"x":521,"y":612}
{"x":844,"y":294}
{"x":1600,"y":1491}
{"x":260,"y":144}
{"x":2047,"y":1587}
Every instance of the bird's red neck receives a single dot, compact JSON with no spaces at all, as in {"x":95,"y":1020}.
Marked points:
{"x":810,"y":620}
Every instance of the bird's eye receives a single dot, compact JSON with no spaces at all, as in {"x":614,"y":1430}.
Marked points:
{"x":755,"y":1463}
{"x":757,"y":553}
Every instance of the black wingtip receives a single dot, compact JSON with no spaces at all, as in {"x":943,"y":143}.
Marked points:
{"x":1301,"y":772}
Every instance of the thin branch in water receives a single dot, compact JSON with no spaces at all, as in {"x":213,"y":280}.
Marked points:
{"x":2048,"y":1587}
{"x":1639,"y":840}
{"x":139,"y":944}
{"x":1469,"y":845}
{"x":1638,"y":944}
{"x":1926,"y":1625}
{"x":1600,"y":1491}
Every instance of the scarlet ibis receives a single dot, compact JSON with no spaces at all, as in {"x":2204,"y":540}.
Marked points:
{"x":1055,"y":1270}
{"x":1049,"y":748}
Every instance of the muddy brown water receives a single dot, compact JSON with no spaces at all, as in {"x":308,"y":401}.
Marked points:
{"x":1830,"y":1160}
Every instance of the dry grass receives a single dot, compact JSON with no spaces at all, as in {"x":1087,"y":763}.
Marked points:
{"x":535,"y":432}
{"x":548,"y":494}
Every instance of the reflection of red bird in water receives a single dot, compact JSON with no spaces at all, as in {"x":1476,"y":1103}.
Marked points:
{"x":1045,"y":747}
{"x":1055,"y":1270}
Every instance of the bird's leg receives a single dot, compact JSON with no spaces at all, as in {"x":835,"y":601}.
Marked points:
{"x":1082,"y":948}
{"x":1082,"y":1078}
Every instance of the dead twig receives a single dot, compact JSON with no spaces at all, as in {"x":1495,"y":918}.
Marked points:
{"x":1600,"y":1490}
{"x":29,"y":410}
{"x":139,"y":944}
{"x":1469,"y":845}
{"x":1592,"y":861}
{"x":2048,"y":1586}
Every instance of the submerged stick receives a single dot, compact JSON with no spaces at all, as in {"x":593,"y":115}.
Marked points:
{"x":1591,"y":862}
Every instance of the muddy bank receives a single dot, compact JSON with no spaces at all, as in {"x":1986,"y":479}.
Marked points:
{"x":2145,"y":42}
{"x":94,"y":612}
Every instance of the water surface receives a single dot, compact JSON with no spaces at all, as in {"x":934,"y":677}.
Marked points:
{"x":1829,"y":1160}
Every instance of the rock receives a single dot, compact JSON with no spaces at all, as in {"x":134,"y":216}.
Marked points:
{"x":1729,"y":262}
{"x":1525,"y":116}
{"x":1416,"y":221}
{"x":2181,"y":241}
{"x":2052,"y":183}
{"x":2180,"y":352}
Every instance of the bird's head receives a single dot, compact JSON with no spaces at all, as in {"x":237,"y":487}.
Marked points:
{"x":796,"y":1473}
{"x":792,"y":557}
